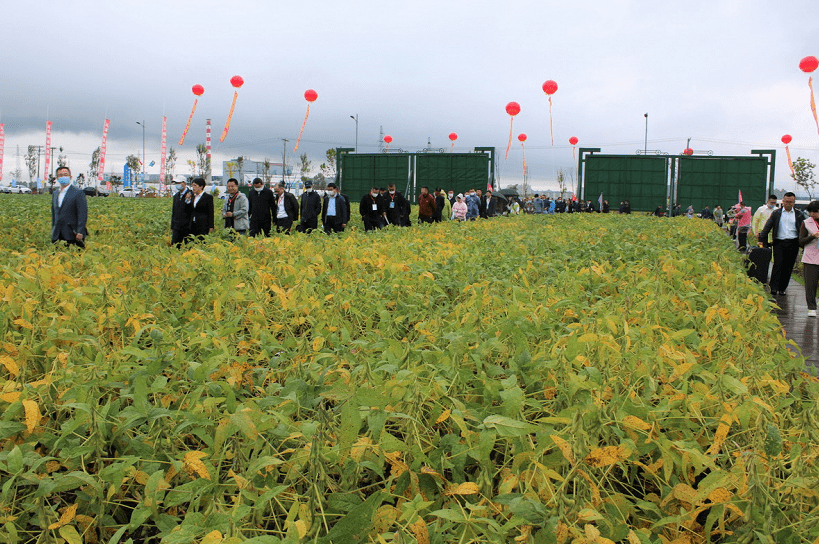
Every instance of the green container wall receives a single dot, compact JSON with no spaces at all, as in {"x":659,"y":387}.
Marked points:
{"x":712,"y":181}
{"x":641,"y":180}
{"x":451,"y":171}
{"x":360,"y":172}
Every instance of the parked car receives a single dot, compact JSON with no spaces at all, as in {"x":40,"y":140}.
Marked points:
{"x":94,"y":191}
{"x":128,"y":192}
{"x":4,"y":189}
{"x":23,"y":190}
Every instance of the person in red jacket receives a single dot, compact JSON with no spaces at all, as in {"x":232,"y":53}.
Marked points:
{"x":426,"y":206}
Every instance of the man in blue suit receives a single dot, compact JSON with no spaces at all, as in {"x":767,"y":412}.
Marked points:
{"x":69,"y":211}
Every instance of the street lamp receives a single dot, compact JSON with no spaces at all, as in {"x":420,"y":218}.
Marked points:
{"x":356,"y":131}
{"x":143,"y":151}
{"x":645,"y":148}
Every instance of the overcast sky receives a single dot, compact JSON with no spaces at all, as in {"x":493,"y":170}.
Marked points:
{"x":724,"y":73}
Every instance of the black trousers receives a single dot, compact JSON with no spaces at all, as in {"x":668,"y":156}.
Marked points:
{"x":255,"y":230}
{"x":742,"y":237}
{"x":178,"y":236}
{"x":811,"y":274}
{"x":284,"y":225}
{"x":332,"y":224}
{"x":371,"y":223}
{"x":784,"y":257}
{"x":308,"y":225}
{"x":422,"y":219}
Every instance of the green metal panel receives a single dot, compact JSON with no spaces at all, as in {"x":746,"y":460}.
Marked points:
{"x":712,"y":181}
{"x":361,"y":171}
{"x":642,"y":180}
{"x":456,"y":171}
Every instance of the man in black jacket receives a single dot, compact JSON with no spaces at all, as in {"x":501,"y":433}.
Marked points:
{"x":440,"y":199}
{"x":286,"y":209}
{"x":310,"y":208}
{"x":180,"y":214}
{"x":394,"y":206}
{"x":336,"y":210}
{"x":371,"y":209}
{"x":784,"y":223}
{"x":261,"y":203}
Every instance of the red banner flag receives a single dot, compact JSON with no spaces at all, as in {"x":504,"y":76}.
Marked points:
{"x":2,"y":145}
{"x":740,"y":198}
{"x":229,"y":117}
{"x":162,"y":159}
{"x":47,"y":149}
{"x":103,"y":148}
{"x":813,"y":103}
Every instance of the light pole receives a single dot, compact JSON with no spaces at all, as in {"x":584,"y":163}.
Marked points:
{"x":356,"y":131}
{"x":143,"y":151}
{"x":645,"y":148}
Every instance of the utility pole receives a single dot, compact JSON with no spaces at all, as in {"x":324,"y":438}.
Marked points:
{"x":284,"y":157}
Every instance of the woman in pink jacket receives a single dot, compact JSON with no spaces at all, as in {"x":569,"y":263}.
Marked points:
{"x":809,"y":240}
{"x":459,"y":208}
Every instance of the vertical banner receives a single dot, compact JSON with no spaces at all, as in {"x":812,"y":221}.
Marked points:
{"x":2,"y":145}
{"x":47,"y":150}
{"x":207,"y":145}
{"x":103,"y":148}
{"x":162,"y":160}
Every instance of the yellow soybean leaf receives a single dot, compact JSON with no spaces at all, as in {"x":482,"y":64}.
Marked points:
{"x":318,"y":343}
{"x":466,"y":488}
{"x":444,"y":416}
{"x":70,"y":535}
{"x":565,"y":448}
{"x":419,"y":529}
{"x":719,"y":495}
{"x":66,"y":517}
{"x":10,"y":364}
{"x":10,"y":397}
{"x":32,"y":415}
{"x":685,"y":493}
{"x":213,"y":537}
{"x":23,"y":323}
{"x":428,"y":275}
{"x":636,"y":423}
{"x":193,"y":464}
{"x":633,"y":538}
{"x":722,"y":433}
{"x":301,"y":527}
{"x":588,"y":338}
{"x":603,"y":457}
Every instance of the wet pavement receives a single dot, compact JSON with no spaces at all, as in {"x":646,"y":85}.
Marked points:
{"x":804,"y":330}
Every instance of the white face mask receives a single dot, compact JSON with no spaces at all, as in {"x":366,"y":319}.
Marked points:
{"x":258,"y":189}
{"x":392,"y":192}
{"x":180,"y":187}
{"x":450,"y":196}
{"x":471,"y":194}
{"x":331,"y":193}
{"x":374,"y":195}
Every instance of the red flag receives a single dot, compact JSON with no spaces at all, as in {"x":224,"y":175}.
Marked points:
{"x":600,"y":201}
{"x":2,"y":145}
{"x":740,"y":196}
{"x":574,"y":198}
{"x":489,"y":186}
{"x":164,"y":149}
{"x":48,"y":145}
{"x":103,"y":148}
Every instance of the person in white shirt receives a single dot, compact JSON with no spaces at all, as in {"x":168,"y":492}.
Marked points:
{"x":784,"y":224}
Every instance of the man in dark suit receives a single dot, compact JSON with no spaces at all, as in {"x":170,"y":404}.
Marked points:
{"x":180,"y":215}
{"x":784,"y":223}
{"x":261,"y":203}
{"x":69,"y":211}
{"x":286,"y":208}
{"x":335,"y":212}
{"x":394,"y":206}
{"x":372,"y":211}
{"x":310,"y":208}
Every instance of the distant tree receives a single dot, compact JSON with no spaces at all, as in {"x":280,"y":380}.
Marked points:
{"x":116,"y":181}
{"x":561,"y":182}
{"x":328,"y":167}
{"x":81,"y":180}
{"x":202,"y":161}
{"x":17,"y":174}
{"x":305,"y":167}
{"x":192,"y":166}
{"x":319,"y":182}
{"x":230,"y":169}
{"x":170,"y":163}
{"x":240,"y":165}
{"x":62,"y":160}
{"x":133,"y":165}
{"x":803,"y":175}
{"x":266,"y":173}
{"x":94,"y":165}
{"x":779,"y":193}
{"x":32,"y":162}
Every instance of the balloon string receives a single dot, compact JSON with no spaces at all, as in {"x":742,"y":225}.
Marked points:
{"x":551,"y":127}
{"x":188,"y":126}
{"x":523,"y":147}
{"x":790,"y":163}
{"x":452,"y":147}
{"x":306,"y":115}
{"x":508,"y":145}
{"x":813,"y":103}
{"x":230,"y":116}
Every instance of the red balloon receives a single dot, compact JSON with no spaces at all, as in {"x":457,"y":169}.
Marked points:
{"x":310,"y":95}
{"x":809,"y":64}
{"x":198,"y":90}
{"x":573,"y":140}
{"x":237,"y":81}
{"x":688,"y":151}
{"x":388,"y":138}
{"x":513,"y":108}
{"x":550,"y":87}
{"x":522,"y":137}
{"x":786,"y":139}
{"x":453,"y":136}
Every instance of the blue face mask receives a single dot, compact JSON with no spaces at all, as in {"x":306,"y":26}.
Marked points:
{"x":64,"y":180}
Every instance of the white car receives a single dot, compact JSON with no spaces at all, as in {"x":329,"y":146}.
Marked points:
{"x":23,"y":190}
{"x":128,"y":192}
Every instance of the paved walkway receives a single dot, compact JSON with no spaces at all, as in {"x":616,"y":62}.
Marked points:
{"x":804,"y":330}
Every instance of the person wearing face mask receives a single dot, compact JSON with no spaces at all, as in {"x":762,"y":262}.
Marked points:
{"x":261,"y":204}
{"x":761,"y":216}
{"x":235,"y":208}
{"x":372,"y":212}
{"x":450,"y":195}
{"x":200,"y":206}
{"x":286,"y":210}
{"x":719,"y":216}
{"x":335,"y":212}
{"x":180,"y":215}
{"x":426,"y":206}
{"x":310,"y":208}
{"x":394,"y":206}
{"x":69,"y":211}
{"x":473,"y":205}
